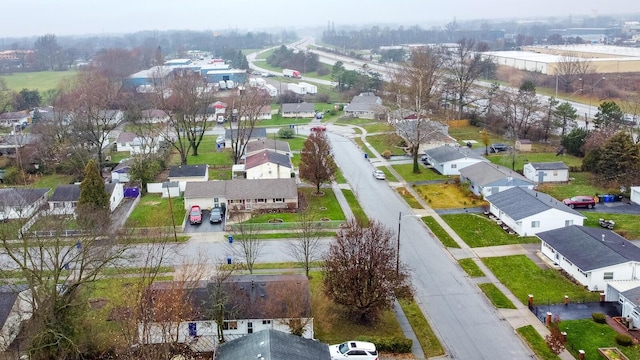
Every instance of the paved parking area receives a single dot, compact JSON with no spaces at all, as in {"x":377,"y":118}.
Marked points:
{"x":205,"y":226}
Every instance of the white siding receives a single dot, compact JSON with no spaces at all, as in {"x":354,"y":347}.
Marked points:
{"x":635,"y":194}
{"x":269,"y":171}
{"x":550,"y":176}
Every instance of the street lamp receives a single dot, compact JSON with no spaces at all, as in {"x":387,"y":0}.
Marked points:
{"x":400,"y":216}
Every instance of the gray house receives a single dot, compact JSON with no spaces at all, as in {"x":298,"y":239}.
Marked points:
{"x":17,"y":203}
{"x":448,"y":160}
{"x":487,"y":179}
{"x":365,"y":105}
{"x":273,"y":344}
{"x":546,"y":172}
{"x":300,"y":110}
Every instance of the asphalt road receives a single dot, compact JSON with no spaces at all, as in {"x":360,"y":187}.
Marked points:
{"x":468,"y":326}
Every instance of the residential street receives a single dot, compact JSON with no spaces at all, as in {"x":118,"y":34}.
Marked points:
{"x":466,"y":323}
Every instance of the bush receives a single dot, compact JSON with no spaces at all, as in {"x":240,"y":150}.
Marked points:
{"x":13,"y":176}
{"x":322,"y":71}
{"x":598,"y":317}
{"x":389,"y":344}
{"x":386,"y":154}
{"x":285,"y":133}
{"x":624,"y":340}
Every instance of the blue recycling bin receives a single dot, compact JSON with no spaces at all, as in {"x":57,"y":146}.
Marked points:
{"x":291,"y":126}
{"x":230,"y":239}
{"x":609,"y":198}
{"x":229,"y":260}
{"x":366,"y":156}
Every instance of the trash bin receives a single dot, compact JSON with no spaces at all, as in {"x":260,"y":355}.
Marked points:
{"x":366,"y":156}
{"x":618,"y":198}
{"x":608,"y":198}
{"x":230,"y":239}
{"x":601,"y":198}
{"x":229,"y":260}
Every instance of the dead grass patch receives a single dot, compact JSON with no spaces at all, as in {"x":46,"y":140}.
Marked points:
{"x":447,"y":196}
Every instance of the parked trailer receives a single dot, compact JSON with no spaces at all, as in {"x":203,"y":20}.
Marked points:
{"x":260,"y":82}
{"x":222,"y":84}
{"x":230,"y":84}
{"x":271,"y":89}
{"x":291,"y":73}
{"x":300,"y":90}
{"x":252,"y":82}
{"x":310,"y":89}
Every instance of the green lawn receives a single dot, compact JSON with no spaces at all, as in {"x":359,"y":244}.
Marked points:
{"x":536,"y":343}
{"x":354,"y":121}
{"x":479,"y":231}
{"x":278,"y":121}
{"x":497,"y":298}
{"x":627,"y":225}
{"x":386,"y":142}
{"x":316,"y":204}
{"x":359,"y":214}
{"x":523,"y":277}
{"x":471,"y":268}
{"x":582,"y":184}
{"x":154,"y":211}
{"x":51,"y":181}
{"x":427,"y":338}
{"x":588,"y":335}
{"x":40,"y":80}
{"x":332,"y":325}
{"x":439,"y":232}
{"x":406,"y":171}
{"x":117,"y":156}
{"x":378,"y":127}
{"x":411,"y":201}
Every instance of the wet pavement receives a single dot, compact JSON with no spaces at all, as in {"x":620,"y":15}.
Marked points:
{"x":576,"y":311}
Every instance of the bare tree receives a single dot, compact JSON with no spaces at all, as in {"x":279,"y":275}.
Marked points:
{"x":416,"y":132}
{"x":220,"y":297}
{"x":414,"y":87}
{"x":316,"y":160}
{"x":246,"y":245}
{"x":465,"y":65}
{"x":289,"y":305}
{"x":243,"y":112}
{"x":90,"y":105}
{"x":306,"y":247}
{"x":571,"y":68}
{"x":360,"y":270}
{"x":55,"y":271}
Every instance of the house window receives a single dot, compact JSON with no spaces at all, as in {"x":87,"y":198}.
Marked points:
{"x":454,"y":166}
{"x":555,"y":172}
{"x":58,"y":205}
{"x":535,"y":224}
{"x":266,"y":322}
{"x":261,"y":200}
{"x":230,"y":325}
{"x":278,"y":200}
{"x":635,"y":314}
{"x":567,"y":261}
{"x":568,"y":222}
{"x":608,"y":276}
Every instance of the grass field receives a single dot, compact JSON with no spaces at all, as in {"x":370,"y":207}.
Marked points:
{"x":439,"y":232}
{"x":627,"y":225}
{"x":325,"y":206}
{"x":580,"y":184}
{"x":386,"y":142}
{"x":427,"y":338}
{"x":478,"y":231}
{"x":447,"y":196}
{"x":588,"y":335}
{"x":425,"y":174}
{"x":471,"y":268}
{"x":411,"y":201}
{"x":523,"y":277}
{"x":497,"y":298}
{"x":522,"y":158}
{"x":359,"y":214}
{"x":41,"y":80}
{"x":153,"y":211}
{"x":536,"y":343}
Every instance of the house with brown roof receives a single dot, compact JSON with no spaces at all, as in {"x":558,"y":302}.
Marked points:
{"x":268,"y":164}
{"x":242,"y":194}
{"x":15,"y":119}
{"x":258,"y":145}
{"x":252,"y":303}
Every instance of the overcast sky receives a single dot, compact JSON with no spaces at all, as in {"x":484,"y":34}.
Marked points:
{"x":75,"y":17}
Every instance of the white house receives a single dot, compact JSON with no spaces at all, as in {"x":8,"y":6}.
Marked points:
{"x":448,"y":160}
{"x":154,"y":116}
{"x":635,"y":194}
{"x":15,"y":308}
{"x":546,"y":172}
{"x":64,"y":199}
{"x":186,"y":173}
{"x":15,"y":119}
{"x":365,"y":106}
{"x":120,"y":173}
{"x":592,"y":256}
{"x":267,"y":164}
{"x":243,"y":194}
{"x":19,"y":203}
{"x":254,"y":303}
{"x":487,"y":179}
{"x":627,"y":294}
{"x":529,"y":212}
{"x":298,"y":110}
{"x":134,"y":144}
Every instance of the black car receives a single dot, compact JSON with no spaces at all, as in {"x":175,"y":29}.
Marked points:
{"x":496,"y":148}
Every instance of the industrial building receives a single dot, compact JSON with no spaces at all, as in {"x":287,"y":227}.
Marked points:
{"x":606,"y":59}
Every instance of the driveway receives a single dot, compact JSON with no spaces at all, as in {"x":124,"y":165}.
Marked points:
{"x":205,"y":227}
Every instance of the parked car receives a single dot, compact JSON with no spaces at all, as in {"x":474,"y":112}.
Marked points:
{"x":379,"y":174}
{"x":424,"y":159}
{"x":195,"y":215}
{"x":496,"y":148}
{"x":360,"y":350}
{"x":319,"y":128}
{"x":580,"y":201}
{"x":216,"y":215}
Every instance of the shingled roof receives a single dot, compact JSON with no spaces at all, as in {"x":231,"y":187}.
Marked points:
{"x":273,"y":344}
{"x":558,"y":165}
{"x":519,"y":203}
{"x":445,"y":153}
{"x":18,"y":197}
{"x":243,"y":189}
{"x":267,"y":156}
{"x":188,"y":170}
{"x":591,"y":248}
{"x":484,"y":173}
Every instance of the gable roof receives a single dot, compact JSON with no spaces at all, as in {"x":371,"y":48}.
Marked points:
{"x":484,"y":173}
{"x":123,"y":166}
{"x":264,"y":144}
{"x":442,"y":154}
{"x":188,"y":170}
{"x":16,"y":115}
{"x":66,"y":193}
{"x":126,"y":137}
{"x":363,"y":103}
{"x":267,"y":156}
{"x":8,"y":296}
{"x":154,"y":113}
{"x":298,"y":107}
{"x":243,"y":189}
{"x":20,"y":197}
{"x":519,"y":203}
{"x":591,"y":248}
{"x":273,"y":345}
{"x":256,"y":133}
{"x":558,"y":165}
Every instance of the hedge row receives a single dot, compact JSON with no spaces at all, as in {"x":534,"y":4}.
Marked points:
{"x":389,"y":344}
